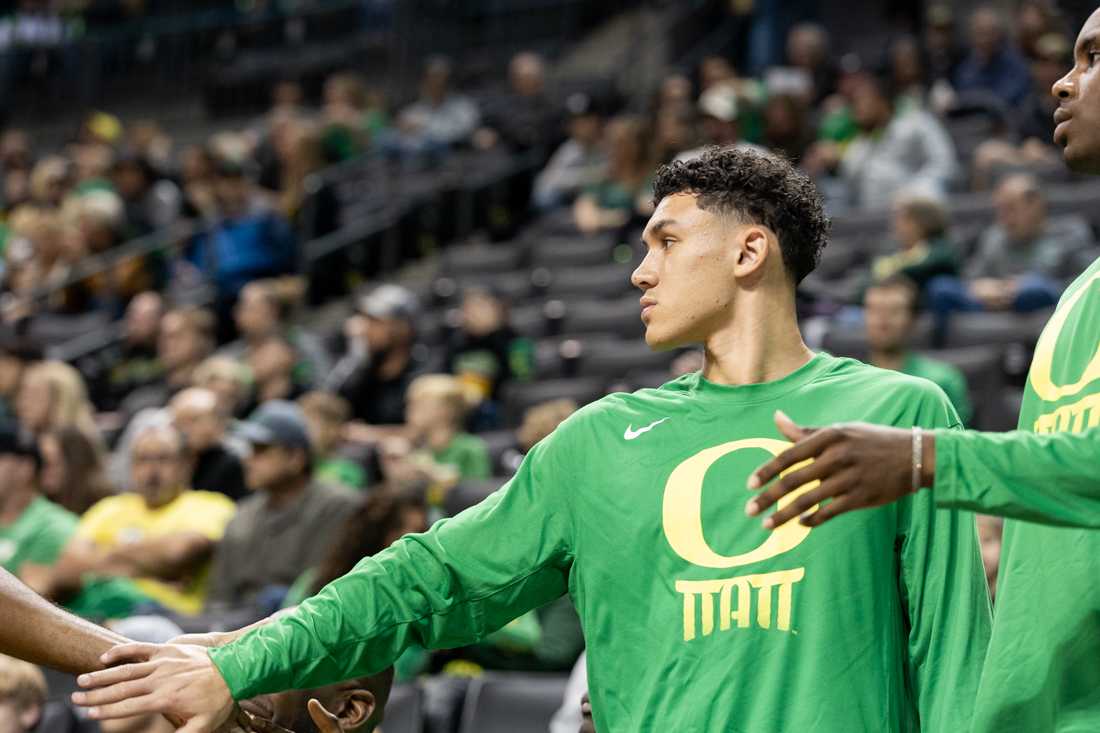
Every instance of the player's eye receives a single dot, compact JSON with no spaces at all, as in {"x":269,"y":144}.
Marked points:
{"x":1092,"y":58}
{"x":666,"y":243}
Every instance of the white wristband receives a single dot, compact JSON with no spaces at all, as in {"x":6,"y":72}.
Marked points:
{"x":918,"y":457}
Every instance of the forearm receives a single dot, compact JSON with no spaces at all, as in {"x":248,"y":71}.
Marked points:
{"x":39,"y":632}
{"x":1051,"y":478}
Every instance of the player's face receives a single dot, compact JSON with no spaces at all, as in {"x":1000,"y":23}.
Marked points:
{"x":687,"y":276}
{"x":1078,"y":93}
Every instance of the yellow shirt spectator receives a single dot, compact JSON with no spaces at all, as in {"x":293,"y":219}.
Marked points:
{"x":118,"y":520}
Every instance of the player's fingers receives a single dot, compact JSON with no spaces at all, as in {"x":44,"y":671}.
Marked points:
{"x":135,"y":652}
{"x":325,"y":721}
{"x":844,"y":503}
{"x":804,"y":503}
{"x":113,"y":693}
{"x":114,"y":675}
{"x":801,"y":451}
{"x":127,"y":708}
{"x":792,"y":480}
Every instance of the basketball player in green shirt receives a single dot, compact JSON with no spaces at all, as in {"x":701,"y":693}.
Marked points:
{"x":1042,"y":672}
{"x":696,"y":618}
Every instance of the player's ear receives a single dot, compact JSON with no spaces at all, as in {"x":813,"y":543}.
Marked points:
{"x":753,"y":249}
{"x":356,"y":707}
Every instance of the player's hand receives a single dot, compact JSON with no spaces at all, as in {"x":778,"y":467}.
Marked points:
{"x":173,"y":680}
{"x":859,"y":465}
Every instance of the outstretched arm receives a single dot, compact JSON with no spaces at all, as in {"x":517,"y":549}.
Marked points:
{"x":450,"y":586}
{"x":37,"y":631}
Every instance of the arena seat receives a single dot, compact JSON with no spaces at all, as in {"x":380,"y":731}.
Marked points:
{"x":404,"y":712}
{"x":983,"y":367}
{"x":621,"y":316}
{"x":480,"y":259}
{"x":618,"y":358}
{"x":512,"y":703}
{"x":570,"y":251}
{"x":970,"y":329}
{"x":596,"y":281}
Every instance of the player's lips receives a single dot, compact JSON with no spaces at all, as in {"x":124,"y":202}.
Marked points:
{"x":647,"y":305}
{"x":1062,"y":117}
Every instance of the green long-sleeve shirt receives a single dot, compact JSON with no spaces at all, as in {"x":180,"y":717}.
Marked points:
{"x":1043,"y":668}
{"x":696,"y":618}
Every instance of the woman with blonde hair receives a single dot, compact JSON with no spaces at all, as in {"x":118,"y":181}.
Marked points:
{"x":53,"y":396}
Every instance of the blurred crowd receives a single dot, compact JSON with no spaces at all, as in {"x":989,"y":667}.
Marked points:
{"x":229,"y":459}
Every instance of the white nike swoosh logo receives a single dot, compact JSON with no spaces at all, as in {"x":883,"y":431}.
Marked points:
{"x":631,"y":433}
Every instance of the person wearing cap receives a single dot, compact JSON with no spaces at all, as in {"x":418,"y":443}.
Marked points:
{"x":288,"y":523}
{"x":578,"y":162}
{"x":379,"y":364}
{"x":719,"y":114}
{"x":161,"y":534}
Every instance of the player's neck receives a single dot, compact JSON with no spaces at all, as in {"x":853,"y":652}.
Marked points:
{"x":761,"y":343}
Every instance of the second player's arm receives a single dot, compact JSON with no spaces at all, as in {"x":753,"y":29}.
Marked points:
{"x":448,"y":587}
{"x":1051,"y":478}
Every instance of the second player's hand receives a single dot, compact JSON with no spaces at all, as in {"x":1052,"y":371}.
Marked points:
{"x":174,"y":680}
{"x":859,"y":466}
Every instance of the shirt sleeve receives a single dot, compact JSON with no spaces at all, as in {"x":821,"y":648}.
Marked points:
{"x":1049,"y":478}
{"x":947,"y":603}
{"x":451,"y":586}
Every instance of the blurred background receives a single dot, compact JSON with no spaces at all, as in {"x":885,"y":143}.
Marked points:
{"x":404,"y":229}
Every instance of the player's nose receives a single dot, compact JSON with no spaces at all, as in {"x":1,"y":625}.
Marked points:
{"x":644,"y":276}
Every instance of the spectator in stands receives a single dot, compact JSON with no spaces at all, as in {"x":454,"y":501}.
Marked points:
{"x":895,"y":150}
{"x":263,"y":312}
{"x":920,"y":228}
{"x":287,"y":525}
{"x":378,"y":521}
{"x":250,"y":241}
{"x":1033,"y":144}
{"x":579,"y":162}
{"x":52,"y":396}
{"x":675,"y":132}
{"x":150,"y":203}
{"x":485,"y":353}
{"x":1021,"y":260}
{"x":538,"y":421}
{"x":326,"y":415}
{"x":890,"y":309}
{"x":522,"y":117}
{"x":215,"y":468}
{"x":907,"y":74}
{"x":50,"y":181}
{"x":135,"y":365}
{"x":720,"y":113}
{"x":786,"y":126}
{"x":440,"y":119}
{"x":17,"y":353}
{"x":32,"y":528}
{"x":1035,"y":19}
{"x":197,"y":169}
{"x":22,"y":696}
{"x":229,"y":380}
{"x":73,"y":472}
{"x":272,"y":363}
{"x":185,"y":339}
{"x":941,"y":43}
{"x":435,"y":418}
{"x":346,"y":119}
{"x":161,"y":534}
{"x":309,"y":203}
{"x":625,"y":192}
{"x":375,"y":373}
{"x":993,"y":65}
{"x":808,"y":50}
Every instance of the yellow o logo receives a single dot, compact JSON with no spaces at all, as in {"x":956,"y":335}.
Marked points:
{"x":1043,"y":362}
{"x":683,"y":507}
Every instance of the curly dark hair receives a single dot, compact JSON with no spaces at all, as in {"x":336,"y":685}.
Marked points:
{"x":762,"y":188}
